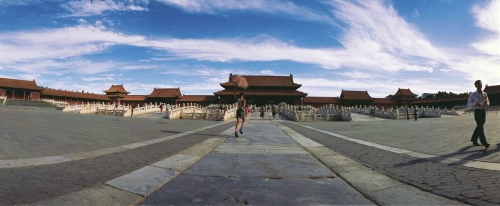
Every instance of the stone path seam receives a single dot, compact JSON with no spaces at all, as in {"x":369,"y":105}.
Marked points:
{"x":467,"y":163}
{"x":95,"y":153}
{"x":367,"y":181}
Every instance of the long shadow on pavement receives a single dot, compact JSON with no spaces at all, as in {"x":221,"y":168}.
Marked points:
{"x":475,"y":155}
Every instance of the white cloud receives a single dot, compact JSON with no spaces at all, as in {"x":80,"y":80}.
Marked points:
{"x":98,"y":7}
{"x":58,"y":43}
{"x":268,"y":6}
{"x":359,"y":75}
{"x":267,"y":72}
{"x":376,"y":34}
{"x":91,"y":79}
{"x":487,"y":17}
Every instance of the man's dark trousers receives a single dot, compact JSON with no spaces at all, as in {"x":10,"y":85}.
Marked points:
{"x":480,"y":117}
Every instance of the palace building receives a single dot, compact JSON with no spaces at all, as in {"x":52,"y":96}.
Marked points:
{"x":262,"y":90}
{"x":19,"y":89}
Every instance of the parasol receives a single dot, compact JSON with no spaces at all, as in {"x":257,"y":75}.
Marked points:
{"x":240,"y":81}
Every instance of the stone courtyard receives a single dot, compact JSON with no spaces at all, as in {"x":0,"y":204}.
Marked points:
{"x":48,"y":157}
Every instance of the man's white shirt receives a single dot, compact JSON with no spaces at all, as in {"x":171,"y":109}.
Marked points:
{"x":476,"y":97}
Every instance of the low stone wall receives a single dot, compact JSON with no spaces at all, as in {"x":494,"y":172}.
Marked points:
{"x":59,"y":104}
{"x":211,"y":112}
{"x":308,"y":113}
{"x":398,"y":113}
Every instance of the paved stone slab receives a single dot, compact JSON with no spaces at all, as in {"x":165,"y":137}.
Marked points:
{"x":204,"y":148}
{"x":178,"y":162}
{"x":269,"y":148}
{"x":97,"y":195}
{"x":143,"y":181}
{"x":408,"y":195}
{"x":252,"y":165}
{"x":196,"y":190}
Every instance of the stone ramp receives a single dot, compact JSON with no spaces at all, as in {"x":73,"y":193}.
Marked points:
{"x":27,"y":103}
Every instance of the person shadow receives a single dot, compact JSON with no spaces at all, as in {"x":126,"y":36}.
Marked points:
{"x":473,"y":155}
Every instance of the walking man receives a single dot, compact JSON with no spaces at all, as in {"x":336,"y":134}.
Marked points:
{"x":479,"y":100}
{"x":240,"y":114}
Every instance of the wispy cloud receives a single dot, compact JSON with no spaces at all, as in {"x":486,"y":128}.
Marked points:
{"x":98,"y":7}
{"x":267,"y":6}
{"x":487,"y":17}
{"x":267,"y":72}
{"x":91,"y":79}
{"x":482,"y":62}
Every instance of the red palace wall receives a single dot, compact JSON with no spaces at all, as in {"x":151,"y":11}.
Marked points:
{"x":35,"y":96}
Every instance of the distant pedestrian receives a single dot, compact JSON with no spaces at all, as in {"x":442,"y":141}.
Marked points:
{"x":132,"y":110}
{"x":407,"y":113}
{"x":371,"y":112}
{"x":161,"y":109}
{"x":240,"y":114}
{"x":262,"y":111}
{"x":479,"y":100}
{"x":274,"y":111}
{"x":415,"y":113}
{"x":280,"y":112}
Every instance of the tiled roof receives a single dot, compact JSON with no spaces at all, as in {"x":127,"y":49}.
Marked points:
{"x":355,"y":95}
{"x":262,"y":93}
{"x":198,"y":98}
{"x":117,"y":88}
{"x":321,"y":100}
{"x":384,"y":101}
{"x":19,"y":84}
{"x":134,"y":98}
{"x":70,"y":94}
{"x":405,"y":92}
{"x":166,"y":93}
{"x":494,"y":89}
{"x":272,"y":81}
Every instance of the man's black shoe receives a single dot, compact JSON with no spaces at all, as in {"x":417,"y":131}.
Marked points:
{"x":236,"y":134}
{"x":476,"y":144}
{"x":241,"y":130}
{"x":487,"y":145}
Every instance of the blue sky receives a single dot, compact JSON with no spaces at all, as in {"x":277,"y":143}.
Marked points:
{"x":328,"y":45}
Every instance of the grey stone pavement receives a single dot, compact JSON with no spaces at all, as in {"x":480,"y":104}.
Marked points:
{"x":55,"y":158}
